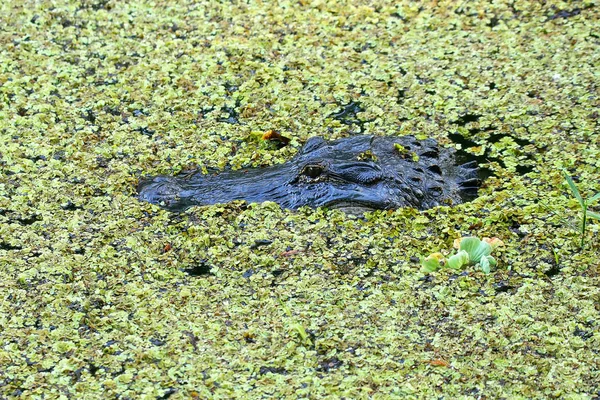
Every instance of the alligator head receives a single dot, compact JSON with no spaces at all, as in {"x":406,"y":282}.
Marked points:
{"x":355,"y":174}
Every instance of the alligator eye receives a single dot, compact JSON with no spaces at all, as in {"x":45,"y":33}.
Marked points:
{"x":312,"y":171}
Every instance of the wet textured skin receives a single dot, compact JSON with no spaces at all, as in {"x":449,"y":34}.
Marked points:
{"x":355,"y":174}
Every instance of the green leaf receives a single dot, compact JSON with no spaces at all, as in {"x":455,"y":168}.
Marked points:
{"x":458,"y":260}
{"x":476,"y":248}
{"x":485,"y":265}
{"x":594,"y":198}
{"x":574,"y":189}
{"x":494,"y":242}
{"x":492,"y":261}
{"x":593,"y":215}
{"x":431,"y":263}
{"x":285,"y":308}
{"x":469,"y":243}
{"x":302,"y":333}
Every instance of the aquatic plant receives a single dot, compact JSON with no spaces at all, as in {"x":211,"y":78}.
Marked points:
{"x":584,"y":203}
{"x":296,"y":326}
{"x":471,"y":251}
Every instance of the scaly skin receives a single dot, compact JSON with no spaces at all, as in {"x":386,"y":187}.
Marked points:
{"x":355,"y":174}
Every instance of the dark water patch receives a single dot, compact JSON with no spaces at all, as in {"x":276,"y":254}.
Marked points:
{"x":348,"y":112}
{"x":114,"y":111}
{"x":36,"y":158}
{"x":328,"y":364}
{"x":232,"y":114}
{"x":145,"y":131}
{"x":230,"y":87}
{"x":107,"y":82}
{"x":28,"y":220}
{"x":400,"y":96}
{"x":272,"y":370}
{"x":260,"y":243}
{"x":466,"y":118}
{"x":89,"y":115}
{"x":503,"y":287}
{"x":348,"y":115}
{"x":167,"y":394}
{"x":276,"y":273}
{"x":585,"y":334}
{"x":200,"y":269}
{"x":523,"y":169}
{"x":70,"y":206}
{"x":552,"y":271}
{"x":96,"y":5}
{"x":499,"y":136}
{"x":462,"y":156}
{"x":564,"y":14}
{"x":494,"y":21}
{"x":9,"y":247}
{"x":157,"y":342}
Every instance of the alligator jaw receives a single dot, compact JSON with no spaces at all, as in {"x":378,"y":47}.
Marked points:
{"x":352,"y":208}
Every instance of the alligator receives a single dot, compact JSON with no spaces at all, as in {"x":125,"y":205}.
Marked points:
{"x":355,"y":174}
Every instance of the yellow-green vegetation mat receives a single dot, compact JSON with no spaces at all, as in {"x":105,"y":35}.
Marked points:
{"x":103,"y":296}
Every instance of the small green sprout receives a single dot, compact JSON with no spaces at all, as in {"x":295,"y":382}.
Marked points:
{"x":471,"y":251}
{"x":367,"y":155}
{"x":297,"y":326}
{"x":405,"y":153}
{"x":584,"y":205}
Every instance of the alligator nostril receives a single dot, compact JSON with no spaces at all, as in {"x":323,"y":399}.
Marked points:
{"x":435,"y":169}
{"x":433,"y":153}
{"x":312,"y":171}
